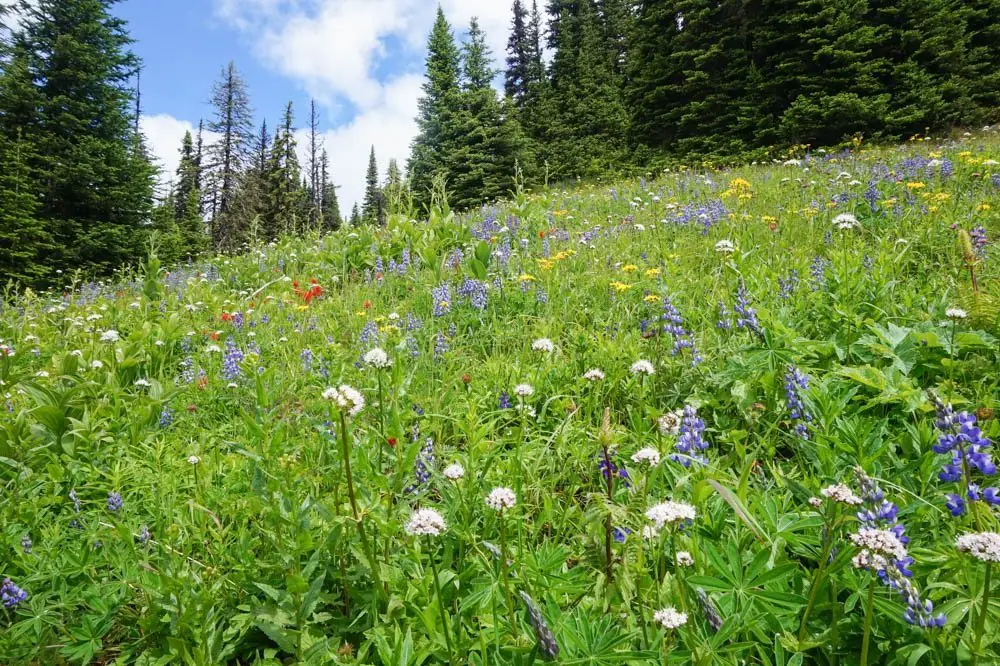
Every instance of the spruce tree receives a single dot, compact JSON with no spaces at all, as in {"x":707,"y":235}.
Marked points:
{"x":233,"y":125}
{"x":520,"y":55}
{"x":393,"y":190}
{"x":355,"y":215}
{"x":65,"y":99}
{"x":285,"y":196}
{"x":329,"y":205}
{"x":24,"y":240}
{"x":432,"y":149}
{"x":373,"y":208}
{"x":315,"y":188}
{"x":190,"y":223}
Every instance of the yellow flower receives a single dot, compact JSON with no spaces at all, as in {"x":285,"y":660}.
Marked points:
{"x":361,"y":313}
{"x":302,"y":308}
{"x":915,"y":185}
{"x":942,"y":196}
{"x":526,"y":278}
{"x":629,"y":268}
{"x":651,"y":298}
{"x":546,"y":264}
{"x":965,"y":153}
{"x":983,"y":207}
{"x":891,"y":201}
{"x":652,"y":272}
{"x":620,"y":286}
{"x":932,"y":209}
{"x":768,"y":219}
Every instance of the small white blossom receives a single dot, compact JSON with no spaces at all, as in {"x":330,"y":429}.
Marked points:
{"x":647,"y":454}
{"x":142,"y":383}
{"x":670,"y":618}
{"x":670,"y":512}
{"x":642,"y":367}
{"x":42,"y":373}
{"x":725,"y":247}
{"x":684,"y":559}
{"x":670,"y":423}
{"x":841,"y":493}
{"x":94,"y":317}
{"x":543,"y":345}
{"x":983,"y":546}
{"x":377,"y":358}
{"x":593,"y":375}
{"x":845,"y":221}
{"x":454,"y":472}
{"x":869,"y":560}
{"x":815,"y":502}
{"x":501,"y":498}
{"x":346,"y":398}
{"x":96,"y":365}
{"x":879,"y":542}
{"x":425,"y":521}
{"x":956,"y":313}
{"x":213,"y":349}
{"x":193,"y":460}
{"x":524,"y":390}
{"x":110,"y":335}
{"x":650,"y":532}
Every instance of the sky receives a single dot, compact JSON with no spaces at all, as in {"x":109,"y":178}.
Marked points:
{"x":361,"y":60}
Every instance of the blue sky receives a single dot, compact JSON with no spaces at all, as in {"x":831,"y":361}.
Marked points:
{"x":362,"y":60}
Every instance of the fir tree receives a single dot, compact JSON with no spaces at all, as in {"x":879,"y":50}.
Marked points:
{"x":315,"y":187}
{"x":188,"y":217}
{"x":520,"y":55}
{"x":438,"y":134}
{"x":394,"y":190}
{"x":23,"y":237}
{"x":285,"y":195}
{"x":373,"y":208}
{"x":229,"y":156}
{"x":329,"y":206}
{"x":355,"y":215}
{"x":65,"y":100}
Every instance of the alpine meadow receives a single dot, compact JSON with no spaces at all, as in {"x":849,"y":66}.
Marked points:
{"x":675,"y":340}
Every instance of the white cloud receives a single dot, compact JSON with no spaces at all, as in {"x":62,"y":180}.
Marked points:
{"x":164,"y":134}
{"x":335,"y":49}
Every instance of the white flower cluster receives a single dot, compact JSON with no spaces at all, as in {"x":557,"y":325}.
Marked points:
{"x":841,"y":493}
{"x":377,"y":358}
{"x":646,"y":454}
{"x":593,"y":375}
{"x":524,"y":390}
{"x":670,"y":618}
{"x":543,"y":345}
{"x":845,"y":221}
{"x":670,"y":512}
{"x":642,"y":367}
{"x":725,"y":247}
{"x":425,"y":521}
{"x":983,"y":546}
{"x":454,"y":472}
{"x":684,"y":559}
{"x":956,"y":313}
{"x":110,"y":335}
{"x":670,"y":423}
{"x":879,"y":542}
{"x":869,"y":560}
{"x":501,"y":498}
{"x":346,"y":398}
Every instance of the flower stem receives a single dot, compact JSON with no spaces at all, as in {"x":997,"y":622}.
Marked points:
{"x":814,"y":588}
{"x":437,"y":589}
{"x":505,"y":572}
{"x":346,"y":448}
{"x":981,"y":621}
{"x":868,"y":623}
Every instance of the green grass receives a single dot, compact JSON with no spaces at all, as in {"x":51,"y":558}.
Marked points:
{"x":238,"y":540}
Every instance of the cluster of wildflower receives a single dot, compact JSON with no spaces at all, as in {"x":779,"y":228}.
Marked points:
{"x":673,"y":324}
{"x":964,"y":441}
{"x":670,"y":513}
{"x":369,"y":334}
{"x":307,"y":358}
{"x":11,"y":595}
{"x":440,"y":345}
{"x":983,"y":546}
{"x":788,"y":285}
{"x":724,"y":323}
{"x":501,"y":498}
{"x":670,"y":423}
{"x":709,"y":611}
{"x":425,"y":522}
{"x":423,"y":465}
{"x":670,"y":618}
{"x":166,"y":417}
{"x":377,"y":358}
{"x":476,"y":293}
{"x":691,"y":441}
{"x":232,"y":361}
{"x":707,"y":215}
{"x":795,"y":382}
{"x":547,"y":646}
{"x":979,"y":240}
{"x":610,"y":466}
{"x":746,"y":315}
{"x":817,"y":271}
{"x":26,"y":544}
{"x":442,"y":300}
{"x":346,"y":398}
{"x":115,"y":502}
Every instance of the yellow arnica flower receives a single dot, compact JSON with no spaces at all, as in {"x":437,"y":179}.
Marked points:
{"x":526,"y":278}
{"x":651,"y":298}
{"x":361,"y":313}
{"x":620,"y":286}
{"x":984,"y":207}
{"x":942,"y":196}
{"x":629,"y":268}
{"x":915,"y":185}
{"x":652,"y":272}
{"x":302,"y":308}
{"x":546,"y":264}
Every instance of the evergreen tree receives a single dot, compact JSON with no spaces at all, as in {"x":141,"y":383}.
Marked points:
{"x":66,"y":104}
{"x":438,"y":134}
{"x":355,"y":215}
{"x":24,"y":240}
{"x":329,"y":206}
{"x":285,"y":196}
{"x":229,"y":156}
{"x":188,"y":217}
{"x":521,"y":56}
{"x":373,"y":208}
{"x":315,"y":187}
{"x":394,"y":190}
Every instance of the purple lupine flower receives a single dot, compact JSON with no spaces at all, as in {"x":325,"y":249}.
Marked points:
{"x":166,"y":417}
{"x":440,"y":345}
{"x":610,"y":467}
{"x":475,"y":292}
{"x":413,"y":323}
{"x":795,"y":382}
{"x":232,"y":361}
{"x":709,"y":611}
{"x":442,"y":300}
{"x":724,"y":323}
{"x":144,"y":536}
{"x":872,"y":195}
{"x":963,"y":440}
{"x":979,"y":240}
{"x":11,"y":595}
{"x":541,"y":296}
{"x":995,"y":179}
{"x":690,"y":440}
{"x":788,"y":285}
{"x":746,"y":315}
{"x":620,"y":534}
{"x":674,"y":325}
{"x":505,"y":401}
{"x":817,"y":269}
{"x":369,"y":334}
{"x":547,"y":645}
{"x":76,"y":500}
{"x":115,"y":502}
{"x":26,"y":544}
{"x":423,"y":465}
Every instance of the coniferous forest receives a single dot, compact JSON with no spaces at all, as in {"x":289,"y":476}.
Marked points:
{"x":587,"y":88}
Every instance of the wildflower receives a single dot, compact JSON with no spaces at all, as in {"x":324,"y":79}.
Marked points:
{"x":841,"y":493}
{"x":674,"y":325}
{"x":11,"y":595}
{"x":593,"y":375}
{"x":746,"y":315}
{"x":231,"y":362}
{"x":501,"y":498}
{"x":725,"y":247}
{"x":620,"y":534}
{"x":880,"y":542}
{"x":26,"y":544}
{"x":608,"y":463}
{"x":504,"y":400}
{"x":670,"y":512}
{"x":425,"y":522}
{"x":670,"y":423}
{"x":724,"y":323}
{"x":795,"y":381}
{"x":670,"y":618}
{"x":144,"y":535}
{"x":142,"y":383}
{"x":346,"y":398}
{"x":454,"y":472}
{"x":647,"y":455}
{"x":845,"y":221}
{"x":547,"y":645}
{"x":193,"y":460}
{"x":543,"y":345}
{"x":377,"y":358}
{"x":115,"y":502}
{"x":524,"y":390}
{"x":690,"y":441}
{"x":642,"y":367}
{"x":956,"y":314}
{"x":110,"y":335}
{"x":442,"y":300}
{"x":684,"y":559}
{"x":964,"y":441}
{"x":166,"y":417}
{"x":817,"y":269}
{"x":815,"y":502}
{"x":709,"y":610}
{"x":983,"y":546}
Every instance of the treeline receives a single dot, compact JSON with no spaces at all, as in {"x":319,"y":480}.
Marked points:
{"x":595,"y":85}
